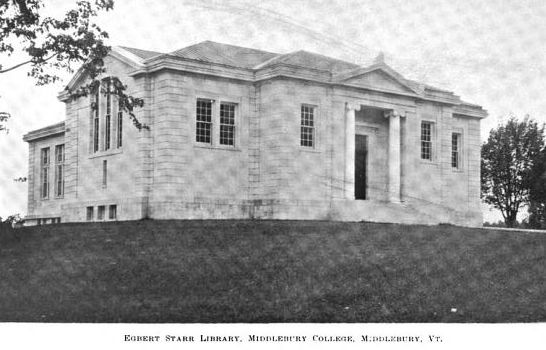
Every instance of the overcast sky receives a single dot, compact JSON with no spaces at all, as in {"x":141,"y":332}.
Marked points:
{"x":492,"y":53}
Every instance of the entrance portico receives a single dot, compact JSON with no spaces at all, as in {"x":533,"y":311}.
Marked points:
{"x":393,"y":155}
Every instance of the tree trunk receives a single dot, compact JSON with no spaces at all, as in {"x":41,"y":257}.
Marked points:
{"x":511,"y":219}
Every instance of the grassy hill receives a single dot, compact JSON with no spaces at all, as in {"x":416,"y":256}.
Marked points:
{"x":271,"y":271}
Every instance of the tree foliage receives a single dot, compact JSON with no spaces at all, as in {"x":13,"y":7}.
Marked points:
{"x":52,"y":45}
{"x":3,"y":119}
{"x":537,"y":193}
{"x":508,"y":160}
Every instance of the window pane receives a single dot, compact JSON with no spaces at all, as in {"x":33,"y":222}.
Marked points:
{"x":426,"y":140}
{"x":455,"y":149}
{"x":107,"y":132}
{"x":120,"y":129}
{"x":307,"y":129}
{"x":96,"y":135}
{"x":44,"y":173}
{"x":203,"y":121}
{"x":104,"y":172}
{"x":95,"y":125}
{"x":227,"y":124}
{"x":109,"y":98}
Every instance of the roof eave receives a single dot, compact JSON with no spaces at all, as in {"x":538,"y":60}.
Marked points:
{"x":470,"y":110}
{"x":48,"y":131}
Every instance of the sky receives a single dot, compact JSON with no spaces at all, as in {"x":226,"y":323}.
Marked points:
{"x":492,"y":53}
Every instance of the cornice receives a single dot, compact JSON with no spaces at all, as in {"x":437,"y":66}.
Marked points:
{"x":469,"y":110}
{"x":48,"y":131}
{"x":416,"y":91}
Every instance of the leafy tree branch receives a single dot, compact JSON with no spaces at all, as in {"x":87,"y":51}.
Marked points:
{"x":53,"y":45}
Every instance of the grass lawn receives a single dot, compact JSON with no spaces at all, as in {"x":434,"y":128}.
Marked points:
{"x":271,"y":271}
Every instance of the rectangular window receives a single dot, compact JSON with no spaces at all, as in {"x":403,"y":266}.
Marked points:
{"x":120,"y":129}
{"x":112,"y":212}
{"x":426,"y":140}
{"x":108,"y":116}
{"x":104,"y":173}
{"x":44,"y":176}
{"x":59,"y":170}
{"x":100,"y":212}
{"x":227,"y":124}
{"x":90,"y":214}
{"x":307,"y":131}
{"x":203,"y":117}
{"x":107,"y":122}
{"x":96,"y":108}
{"x":455,"y":150}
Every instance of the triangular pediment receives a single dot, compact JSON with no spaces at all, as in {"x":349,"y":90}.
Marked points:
{"x":378,"y":79}
{"x":118,"y":54}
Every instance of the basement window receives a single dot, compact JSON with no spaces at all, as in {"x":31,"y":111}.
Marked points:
{"x":112,"y":212}
{"x":90,"y":214}
{"x":100,"y":212}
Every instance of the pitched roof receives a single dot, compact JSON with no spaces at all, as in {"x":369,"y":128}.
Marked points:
{"x":144,"y":54}
{"x":243,"y":57}
{"x":311,"y":60}
{"x":231,"y":55}
{"x":252,"y":59}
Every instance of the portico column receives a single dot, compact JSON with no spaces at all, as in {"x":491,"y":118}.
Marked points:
{"x":349,"y":181}
{"x":394,"y":156}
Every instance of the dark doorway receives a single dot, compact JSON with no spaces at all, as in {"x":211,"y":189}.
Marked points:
{"x":361,"y":158}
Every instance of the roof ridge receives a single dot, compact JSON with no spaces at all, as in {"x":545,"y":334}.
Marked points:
{"x":224,"y":44}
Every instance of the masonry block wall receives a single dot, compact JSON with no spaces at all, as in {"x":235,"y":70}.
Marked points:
{"x":289,"y":170}
{"x":188,"y":174}
{"x":49,"y":207}
{"x":85,"y":182}
{"x":164,"y":173}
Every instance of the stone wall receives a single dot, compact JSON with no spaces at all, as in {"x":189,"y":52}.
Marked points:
{"x":163,"y":173}
{"x":39,"y":207}
{"x":84,"y":174}
{"x":186,"y":171}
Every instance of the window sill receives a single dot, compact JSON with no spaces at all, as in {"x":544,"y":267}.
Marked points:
{"x":429,"y":162}
{"x":457,"y":170}
{"x":106,"y":153}
{"x":309,"y":149}
{"x":217,"y":147}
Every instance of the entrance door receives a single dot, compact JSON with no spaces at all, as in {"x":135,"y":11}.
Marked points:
{"x":361,"y":158}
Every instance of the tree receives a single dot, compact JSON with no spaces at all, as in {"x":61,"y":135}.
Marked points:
{"x":508,"y":158}
{"x":537,"y":194}
{"x":3,"y":119}
{"x":52,"y":45}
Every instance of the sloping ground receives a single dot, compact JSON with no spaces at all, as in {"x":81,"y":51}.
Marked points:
{"x":270,"y":271}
